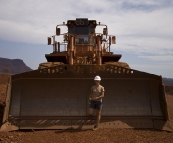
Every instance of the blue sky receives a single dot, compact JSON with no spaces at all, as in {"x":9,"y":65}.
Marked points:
{"x":144,"y":29}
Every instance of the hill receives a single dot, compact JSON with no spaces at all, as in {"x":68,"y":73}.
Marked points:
{"x":13,"y":66}
{"x":167,"y":81}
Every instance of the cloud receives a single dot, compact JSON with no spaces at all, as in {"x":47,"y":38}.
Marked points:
{"x":167,"y":58}
{"x":148,"y":5}
{"x":43,"y":16}
{"x":142,"y":27}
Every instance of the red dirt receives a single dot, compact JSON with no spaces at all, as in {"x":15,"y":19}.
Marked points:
{"x":169,"y":90}
{"x":78,"y":136}
{"x":3,"y":86}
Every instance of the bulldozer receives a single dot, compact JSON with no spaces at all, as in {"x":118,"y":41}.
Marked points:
{"x":55,"y":96}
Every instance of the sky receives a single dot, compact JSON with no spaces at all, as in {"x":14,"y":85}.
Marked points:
{"x":143,"y":29}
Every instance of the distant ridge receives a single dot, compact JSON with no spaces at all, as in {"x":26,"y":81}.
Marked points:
{"x":13,"y":66}
{"x":167,"y":81}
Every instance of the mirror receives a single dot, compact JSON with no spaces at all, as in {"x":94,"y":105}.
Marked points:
{"x":48,"y":40}
{"x":113,"y":40}
{"x":105,"y":31}
{"x":110,"y":40}
{"x":58,"y":31}
{"x":101,"y":38}
{"x":66,"y":37}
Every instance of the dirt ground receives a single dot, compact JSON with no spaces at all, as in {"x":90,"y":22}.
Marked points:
{"x":88,"y":136}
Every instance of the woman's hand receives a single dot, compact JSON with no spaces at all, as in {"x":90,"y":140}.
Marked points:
{"x":95,"y":98}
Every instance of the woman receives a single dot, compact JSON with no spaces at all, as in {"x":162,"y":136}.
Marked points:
{"x":97,"y":93}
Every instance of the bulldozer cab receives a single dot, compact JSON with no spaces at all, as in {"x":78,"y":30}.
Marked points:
{"x":83,"y":45}
{"x":80,"y":27}
{"x":85,"y":42}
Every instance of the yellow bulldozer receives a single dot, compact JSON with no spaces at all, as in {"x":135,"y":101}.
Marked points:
{"x":55,"y":96}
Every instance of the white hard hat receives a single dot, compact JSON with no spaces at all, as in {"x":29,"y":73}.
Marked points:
{"x":97,"y":78}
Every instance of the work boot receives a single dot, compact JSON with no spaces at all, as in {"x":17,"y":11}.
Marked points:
{"x":95,"y":128}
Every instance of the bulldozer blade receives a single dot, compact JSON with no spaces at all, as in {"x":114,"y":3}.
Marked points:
{"x":57,"y":98}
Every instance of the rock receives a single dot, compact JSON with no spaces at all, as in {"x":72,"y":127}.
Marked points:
{"x":1,"y":139}
{"x":19,"y":134}
{"x":10,"y":137}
